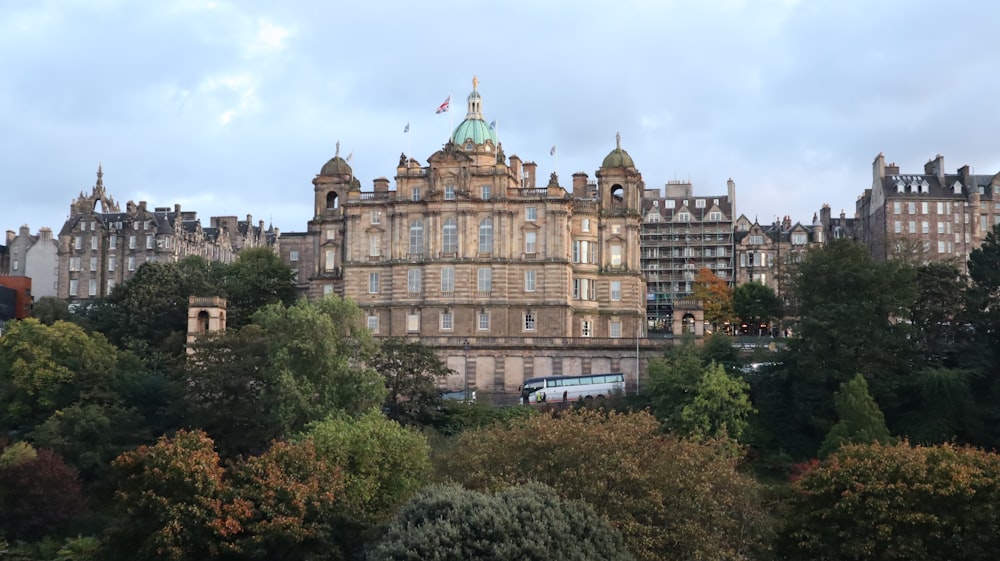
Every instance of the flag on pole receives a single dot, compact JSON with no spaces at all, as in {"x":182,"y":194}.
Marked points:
{"x":406,"y":128}
{"x":444,"y":106}
{"x":349,"y":156}
{"x":552,"y":152}
{"x":493,"y":124}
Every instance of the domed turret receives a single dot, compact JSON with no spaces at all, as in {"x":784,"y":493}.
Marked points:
{"x":337,"y":165}
{"x":474,"y":128}
{"x":618,"y":158}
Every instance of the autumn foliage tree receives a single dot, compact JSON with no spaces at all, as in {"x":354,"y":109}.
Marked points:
{"x":39,"y":493}
{"x":716,"y":296}
{"x":896,"y":502}
{"x":671,"y":498}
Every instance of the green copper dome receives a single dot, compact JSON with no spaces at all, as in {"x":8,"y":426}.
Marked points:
{"x":474,"y":126}
{"x":476,"y":129}
{"x":618,"y":158}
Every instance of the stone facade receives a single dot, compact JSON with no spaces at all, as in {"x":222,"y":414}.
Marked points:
{"x":504,"y":277}
{"x":927,"y":216}
{"x":100,"y":246}
{"x":681,"y":234}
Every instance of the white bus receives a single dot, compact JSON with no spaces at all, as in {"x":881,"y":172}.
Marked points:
{"x":550,"y":389}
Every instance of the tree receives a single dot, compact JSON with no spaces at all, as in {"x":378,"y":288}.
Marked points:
{"x":715,"y":295}
{"x":411,"y":371}
{"x":39,"y":495}
{"x":49,"y":309}
{"x":860,"y":421}
{"x":671,"y":498}
{"x":849,"y":312}
{"x":673,"y":380}
{"x":268,"y":380}
{"x":720,"y":408}
{"x":384,"y":463}
{"x":174,"y":502}
{"x":529,"y":522}
{"x":258,"y":278}
{"x":756,"y":304}
{"x":889,"y":502}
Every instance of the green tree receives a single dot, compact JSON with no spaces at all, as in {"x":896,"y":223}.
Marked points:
{"x":859,"y":420}
{"x":673,"y":381}
{"x":270,"y":379}
{"x":384,"y":463}
{"x":982,"y":354}
{"x":756,"y":304}
{"x":720,"y":407}
{"x":528,"y":523}
{"x":896,"y":502}
{"x":411,"y":371}
{"x":49,"y":309}
{"x":258,"y":278}
{"x":671,"y":498}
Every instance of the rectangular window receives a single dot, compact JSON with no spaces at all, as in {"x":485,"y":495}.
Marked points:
{"x":485,"y":279}
{"x":715,"y":217}
{"x":131,"y":262}
{"x":74,"y":288}
{"x":925,"y":227}
{"x":415,"y":194}
{"x":414,"y":281}
{"x":110,"y":285}
{"x":484,"y":321}
{"x":376,"y":217}
{"x":940,"y":208}
{"x":897,"y":207}
{"x":92,"y":287}
{"x":530,"y":242}
{"x":293,"y":255}
{"x":897,"y":227}
{"x":93,"y":242}
{"x":331,"y":234}
{"x":615,"y":330}
{"x":486,"y":192}
{"x":373,"y":323}
{"x":448,"y":279}
{"x":149,"y":241}
{"x":913,"y":226}
{"x":93,"y":264}
{"x":616,"y":255}
{"x":374,"y":245}
{"x":616,"y":291}
{"x":940,"y":227}
{"x":585,"y":225}
{"x":529,"y":281}
{"x":911,"y":207}
{"x":923,"y":207}
{"x":799,"y":238}
{"x":757,"y":240}
{"x":413,"y":322}
{"x":531,"y":213}
{"x":131,"y":241}
{"x":586,"y":329}
{"x":449,"y":192}
{"x":113,"y":242}
{"x":78,"y":242}
{"x":373,"y":283}
{"x":942,"y":248}
{"x":447,"y":321}
{"x":327,"y":289}
{"x":529,"y":321}
{"x":683,"y":217}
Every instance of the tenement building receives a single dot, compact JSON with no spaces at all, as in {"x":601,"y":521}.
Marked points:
{"x":681,"y":234}
{"x":927,"y":216}
{"x":506,"y":278}
{"x":34,"y":256}
{"x":100,"y":246}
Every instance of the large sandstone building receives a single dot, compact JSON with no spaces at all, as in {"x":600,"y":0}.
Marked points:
{"x":925,"y":216}
{"x":505,"y":278}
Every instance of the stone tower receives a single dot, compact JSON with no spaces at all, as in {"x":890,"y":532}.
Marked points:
{"x":206,"y":314}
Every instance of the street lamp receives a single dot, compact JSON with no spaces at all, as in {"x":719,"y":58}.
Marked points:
{"x":465,"y":375}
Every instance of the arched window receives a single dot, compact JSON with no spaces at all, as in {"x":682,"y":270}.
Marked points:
{"x":417,"y":237}
{"x":449,"y":236}
{"x":617,"y":193}
{"x":331,"y":200}
{"x":203,"y":322}
{"x":486,"y":236}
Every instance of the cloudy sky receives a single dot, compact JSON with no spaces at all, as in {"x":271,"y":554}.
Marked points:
{"x":233,"y":107}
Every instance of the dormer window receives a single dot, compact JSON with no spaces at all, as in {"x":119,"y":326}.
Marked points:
{"x":449,"y":192}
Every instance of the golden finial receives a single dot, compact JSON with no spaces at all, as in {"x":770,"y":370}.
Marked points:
{"x":475,"y":83}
